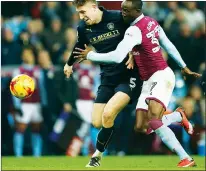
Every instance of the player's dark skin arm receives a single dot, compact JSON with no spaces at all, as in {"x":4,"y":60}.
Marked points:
{"x":72,"y":59}
{"x":187,"y":72}
{"x":81,"y":54}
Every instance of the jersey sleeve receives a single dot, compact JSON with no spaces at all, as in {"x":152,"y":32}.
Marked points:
{"x":132,"y":37}
{"x":81,"y":40}
{"x":170,"y":48}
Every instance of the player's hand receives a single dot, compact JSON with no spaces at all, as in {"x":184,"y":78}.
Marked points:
{"x":187,"y":72}
{"x":18,"y":112}
{"x":68,"y":70}
{"x":130,"y":61}
{"x":82,"y":53}
{"x":67,"y":107}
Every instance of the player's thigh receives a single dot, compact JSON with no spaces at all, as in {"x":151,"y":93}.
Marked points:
{"x":37,"y":117}
{"x":97,"y":112}
{"x":155,"y":110}
{"x":104,"y":94}
{"x":115,"y":105}
{"x":161,"y":87}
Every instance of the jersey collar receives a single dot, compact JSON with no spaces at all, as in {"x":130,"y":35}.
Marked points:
{"x":137,"y":19}
{"x":104,"y":15}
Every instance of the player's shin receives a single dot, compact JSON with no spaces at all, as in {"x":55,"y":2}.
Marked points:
{"x":18,"y":143}
{"x":103,"y":139}
{"x":169,"y":138}
{"x":171,"y":118}
{"x":36,"y":144}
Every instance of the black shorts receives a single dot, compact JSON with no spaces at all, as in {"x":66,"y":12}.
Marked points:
{"x":129,"y":83}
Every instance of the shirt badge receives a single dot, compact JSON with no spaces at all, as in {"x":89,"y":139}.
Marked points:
{"x":110,"y":26}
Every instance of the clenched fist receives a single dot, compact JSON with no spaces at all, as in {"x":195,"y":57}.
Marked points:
{"x":68,"y":70}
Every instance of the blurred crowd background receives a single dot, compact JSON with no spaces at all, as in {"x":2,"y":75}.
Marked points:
{"x":46,"y":33}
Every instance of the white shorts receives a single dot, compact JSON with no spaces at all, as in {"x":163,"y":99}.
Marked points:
{"x":158,"y":87}
{"x":84,"y":108}
{"x":31,"y":113}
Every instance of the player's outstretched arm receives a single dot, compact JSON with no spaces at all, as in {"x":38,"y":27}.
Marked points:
{"x":132,"y":37}
{"x":173,"y":52}
{"x":81,"y":40}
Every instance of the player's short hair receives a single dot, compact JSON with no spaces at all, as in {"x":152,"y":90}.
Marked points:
{"x":137,"y":4}
{"x":78,"y":3}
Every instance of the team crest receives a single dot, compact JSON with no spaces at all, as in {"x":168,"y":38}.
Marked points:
{"x":110,"y":26}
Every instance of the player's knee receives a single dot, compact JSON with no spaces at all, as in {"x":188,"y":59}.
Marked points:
{"x":35,"y":128}
{"x":107,"y":116}
{"x":108,"y":124}
{"x":20,"y":128}
{"x":108,"y":119}
{"x":141,"y":130}
{"x":139,"y":127}
{"x":97,"y":123}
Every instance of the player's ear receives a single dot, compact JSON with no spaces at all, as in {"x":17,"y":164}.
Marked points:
{"x":94,"y":6}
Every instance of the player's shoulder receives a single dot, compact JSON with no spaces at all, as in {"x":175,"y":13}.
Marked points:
{"x":81,"y":26}
{"x":150,"y":19}
{"x":113,"y":14}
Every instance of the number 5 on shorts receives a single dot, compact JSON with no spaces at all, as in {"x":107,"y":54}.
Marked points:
{"x":132,"y":83}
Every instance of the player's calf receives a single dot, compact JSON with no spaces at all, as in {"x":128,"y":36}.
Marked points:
{"x":141,"y":121}
{"x":140,"y":127}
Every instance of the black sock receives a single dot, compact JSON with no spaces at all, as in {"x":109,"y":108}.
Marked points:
{"x":103,"y":138}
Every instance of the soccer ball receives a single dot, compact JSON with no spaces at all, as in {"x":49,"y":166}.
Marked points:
{"x":22,"y":86}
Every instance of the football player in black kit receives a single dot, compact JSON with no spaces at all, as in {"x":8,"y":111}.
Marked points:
{"x":104,"y":29}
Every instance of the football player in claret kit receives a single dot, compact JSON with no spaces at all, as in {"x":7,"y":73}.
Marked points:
{"x":144,"y":38}
{"x":28,"y":110}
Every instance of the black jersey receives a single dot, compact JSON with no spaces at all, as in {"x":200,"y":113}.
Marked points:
{"x":104,"y":37}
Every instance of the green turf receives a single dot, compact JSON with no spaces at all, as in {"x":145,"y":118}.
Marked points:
{"x":108,"y":163}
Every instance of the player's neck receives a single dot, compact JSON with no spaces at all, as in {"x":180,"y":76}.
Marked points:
{"x":139,"y":14}
{"x":99,"y":16}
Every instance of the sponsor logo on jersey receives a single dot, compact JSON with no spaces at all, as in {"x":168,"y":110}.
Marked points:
{"x":110,"y":26}
{"x":104,"y":36}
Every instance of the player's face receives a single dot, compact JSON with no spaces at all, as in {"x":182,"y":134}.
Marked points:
{"x":87,"y":12}
{"x":129,"y":13}
{"x":28,"y":57}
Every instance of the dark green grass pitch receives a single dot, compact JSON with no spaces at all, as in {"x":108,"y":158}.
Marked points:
{"x":108,"y":163}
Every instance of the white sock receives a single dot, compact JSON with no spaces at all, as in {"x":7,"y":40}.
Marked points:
{"x":97,"y":154}
{"x":170,"y":140}
{"x":172,"y":117}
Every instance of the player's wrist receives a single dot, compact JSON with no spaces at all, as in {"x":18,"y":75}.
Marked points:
{"x":184,"y":67}
{"x":89,"y":55}
{"x":69,"y":65}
